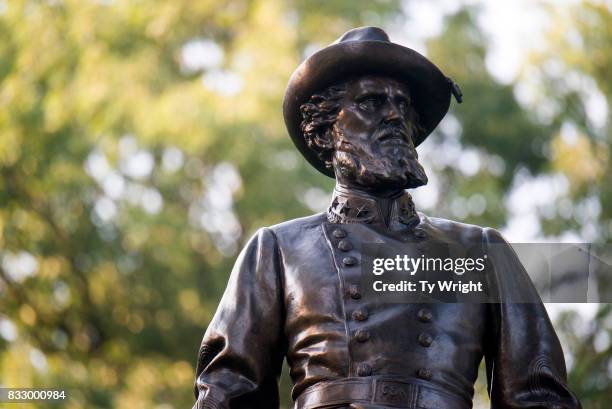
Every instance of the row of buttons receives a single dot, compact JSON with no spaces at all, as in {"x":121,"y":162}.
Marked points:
{"x":425,"y":340}
{"x":361,"y":314}
{"x":349,"y":261}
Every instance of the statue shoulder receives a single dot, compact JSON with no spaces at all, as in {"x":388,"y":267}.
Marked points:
{"x":451,"y":230}
{"x":300,"y":228}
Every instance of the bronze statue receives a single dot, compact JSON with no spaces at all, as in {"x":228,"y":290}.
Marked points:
{"x":356,"y":110}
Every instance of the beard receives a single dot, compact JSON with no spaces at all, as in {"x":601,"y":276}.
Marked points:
{"x":394,"y":166}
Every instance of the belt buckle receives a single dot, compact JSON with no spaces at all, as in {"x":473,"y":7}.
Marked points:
{"x":395,"y":393}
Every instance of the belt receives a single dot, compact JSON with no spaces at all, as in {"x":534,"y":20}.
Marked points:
{"x":395,"y":393}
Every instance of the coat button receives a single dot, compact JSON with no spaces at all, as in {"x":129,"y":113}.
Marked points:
{"x":360,"y":315}
{"x":419,"y":234}
{"x":349,"y":261}
{"x":362,"y":335}
{"x":339,"y":233}
{"x":354,"y":292}
{"x":425,"y":340}
{"x":364,"y":369}
{"x":345,"y":245}
{"x":424,"y":373}
{"x":424,"y":315}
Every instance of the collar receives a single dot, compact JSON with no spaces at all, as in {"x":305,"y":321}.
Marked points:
{"x":351,"y":206}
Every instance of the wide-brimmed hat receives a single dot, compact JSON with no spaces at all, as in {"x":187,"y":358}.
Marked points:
{"x":367,"y":51}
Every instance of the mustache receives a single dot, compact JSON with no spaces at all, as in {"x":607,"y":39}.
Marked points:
{"x":389,"y":131}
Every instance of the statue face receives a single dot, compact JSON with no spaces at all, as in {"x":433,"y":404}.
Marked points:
{"x":373,"y":136}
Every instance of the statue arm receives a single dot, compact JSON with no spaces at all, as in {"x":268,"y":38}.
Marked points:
{"x":525,"y":364}
{"x":242,"y":351}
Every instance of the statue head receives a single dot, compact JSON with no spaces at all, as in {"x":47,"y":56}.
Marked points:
{"x":358,"y":108}
{"x":364,"y":129}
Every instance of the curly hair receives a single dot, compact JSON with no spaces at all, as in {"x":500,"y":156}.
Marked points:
{"x":318,"y":117}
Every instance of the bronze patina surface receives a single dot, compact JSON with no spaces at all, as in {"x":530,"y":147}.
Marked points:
{"x":295,"y":291}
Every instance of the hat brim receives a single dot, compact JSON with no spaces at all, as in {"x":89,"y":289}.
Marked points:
{"x":430,"y":89}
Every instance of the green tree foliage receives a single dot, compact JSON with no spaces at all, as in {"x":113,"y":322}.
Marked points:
{"x":571,"y":74}
{"x":142,"y":142}
{"x":589,"y":343}
{"x":130,"y":175}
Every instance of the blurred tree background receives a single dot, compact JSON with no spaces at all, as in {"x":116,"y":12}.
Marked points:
{"x":142,"y":142}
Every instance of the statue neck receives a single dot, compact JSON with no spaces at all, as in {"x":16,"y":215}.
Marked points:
{"x":393,"y":209}
{"x":377,"y":193}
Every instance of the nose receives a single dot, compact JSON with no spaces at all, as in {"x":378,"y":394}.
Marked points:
{"x":392,"y":113}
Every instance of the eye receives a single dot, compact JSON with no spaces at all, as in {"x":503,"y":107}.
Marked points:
{"x":369,"y":104}
{"x":403,"y":106}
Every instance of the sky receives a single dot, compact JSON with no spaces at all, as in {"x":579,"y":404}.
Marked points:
{"x":513,"y":27}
